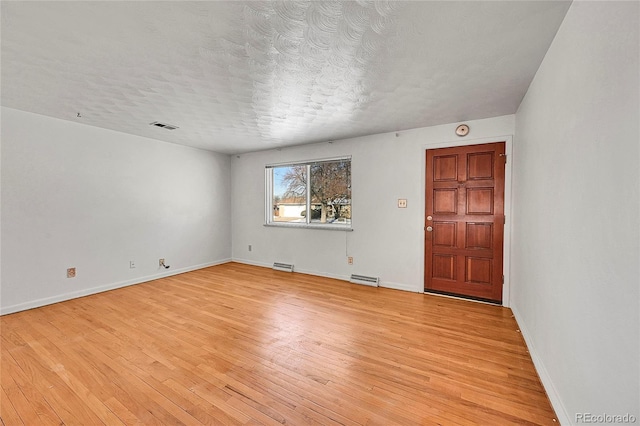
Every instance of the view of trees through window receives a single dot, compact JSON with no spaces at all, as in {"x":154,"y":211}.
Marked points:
{"x":323,"y":188}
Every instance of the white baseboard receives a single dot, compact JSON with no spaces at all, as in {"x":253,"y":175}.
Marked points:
{"x":301,"y":271}
{"x":253,"y":263}
{"x":385,"y":284}
{"x":94,"y":290}
{"x":322,"y":274}
{"x":399,"y":286}
{"x":545,"y":378}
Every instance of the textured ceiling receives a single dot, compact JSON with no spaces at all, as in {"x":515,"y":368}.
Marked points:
{"x":247,"y":76}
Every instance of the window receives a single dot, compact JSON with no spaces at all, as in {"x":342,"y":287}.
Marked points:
{"x":310,"y":194}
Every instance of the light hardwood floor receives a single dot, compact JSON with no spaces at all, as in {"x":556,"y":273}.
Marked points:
{"x":238,"y":344}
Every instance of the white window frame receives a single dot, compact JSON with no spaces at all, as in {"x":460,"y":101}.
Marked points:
{"x":268,"y":179}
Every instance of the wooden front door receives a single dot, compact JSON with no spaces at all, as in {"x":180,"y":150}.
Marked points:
{"x":464,"y":221}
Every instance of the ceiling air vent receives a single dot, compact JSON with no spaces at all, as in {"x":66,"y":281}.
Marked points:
{"x":164,"y":125}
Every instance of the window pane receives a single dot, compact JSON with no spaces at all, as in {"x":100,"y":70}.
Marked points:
{"x":331,"y":192}
{"x":289,"y":193}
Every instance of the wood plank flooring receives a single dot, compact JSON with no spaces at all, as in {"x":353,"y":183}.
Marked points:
{"x":238,"y":344}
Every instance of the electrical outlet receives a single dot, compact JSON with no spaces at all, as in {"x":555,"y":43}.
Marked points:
{"x":71,"y":272}
{"x":132,"y":264}
{"x":249,"y":247}
{"x":350,"y":260}
{"x":161,"y":262}
{"x":402,"y":203}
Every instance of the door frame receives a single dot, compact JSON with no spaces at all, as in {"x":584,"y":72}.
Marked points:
{"x":506,"y":264}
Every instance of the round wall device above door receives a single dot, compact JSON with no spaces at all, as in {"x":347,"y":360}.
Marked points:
{"x":462,"y":130}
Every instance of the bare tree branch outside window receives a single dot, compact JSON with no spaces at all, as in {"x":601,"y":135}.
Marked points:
{"x":323,"y":187}
{"x":330,"y":188}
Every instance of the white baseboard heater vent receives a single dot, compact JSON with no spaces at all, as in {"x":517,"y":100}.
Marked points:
{"x":362,"y":279}
{"x":284,"y":267}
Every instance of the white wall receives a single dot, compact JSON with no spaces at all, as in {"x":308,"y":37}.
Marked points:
{"x":94,"y":199}
{"x":387,"y":242}
{"x":576,"y":213}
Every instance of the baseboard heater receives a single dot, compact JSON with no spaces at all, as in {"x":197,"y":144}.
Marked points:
{"x":364,"y":280}
{"x":284,"y":267}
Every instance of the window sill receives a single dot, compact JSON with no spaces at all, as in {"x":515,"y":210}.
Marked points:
{"x":345,"y":228}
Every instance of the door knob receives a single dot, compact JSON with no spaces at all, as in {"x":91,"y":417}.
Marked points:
{"x":429,"y":217}
{"x":429,"y":228}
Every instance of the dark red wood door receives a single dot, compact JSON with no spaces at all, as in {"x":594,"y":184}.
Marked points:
{"x":464,"y":221}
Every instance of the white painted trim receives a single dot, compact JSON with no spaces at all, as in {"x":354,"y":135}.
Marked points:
{"x":508,"y":140}
{"x":543,"y":374}
{"x":253,"y":263}
{"x":300,"y":162}
{"x":296,"y":270}
{"x":323,"y":274}
{"x":383,"y":284}
{"x":399,"y":286}
{"x":112,"y":286}
{"x":309,"y":226}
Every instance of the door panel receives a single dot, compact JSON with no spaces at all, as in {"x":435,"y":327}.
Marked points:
{"x":480,"y":166}
{"x":479,"y":236}
{"x":479,"y":201}
{"x":444,"y":266}
{"x":464,"y":223}
{"x":445,"y":168}
{"x":445,"y":201}
{"x":444,"y":234}
{"x":478,"y":270}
